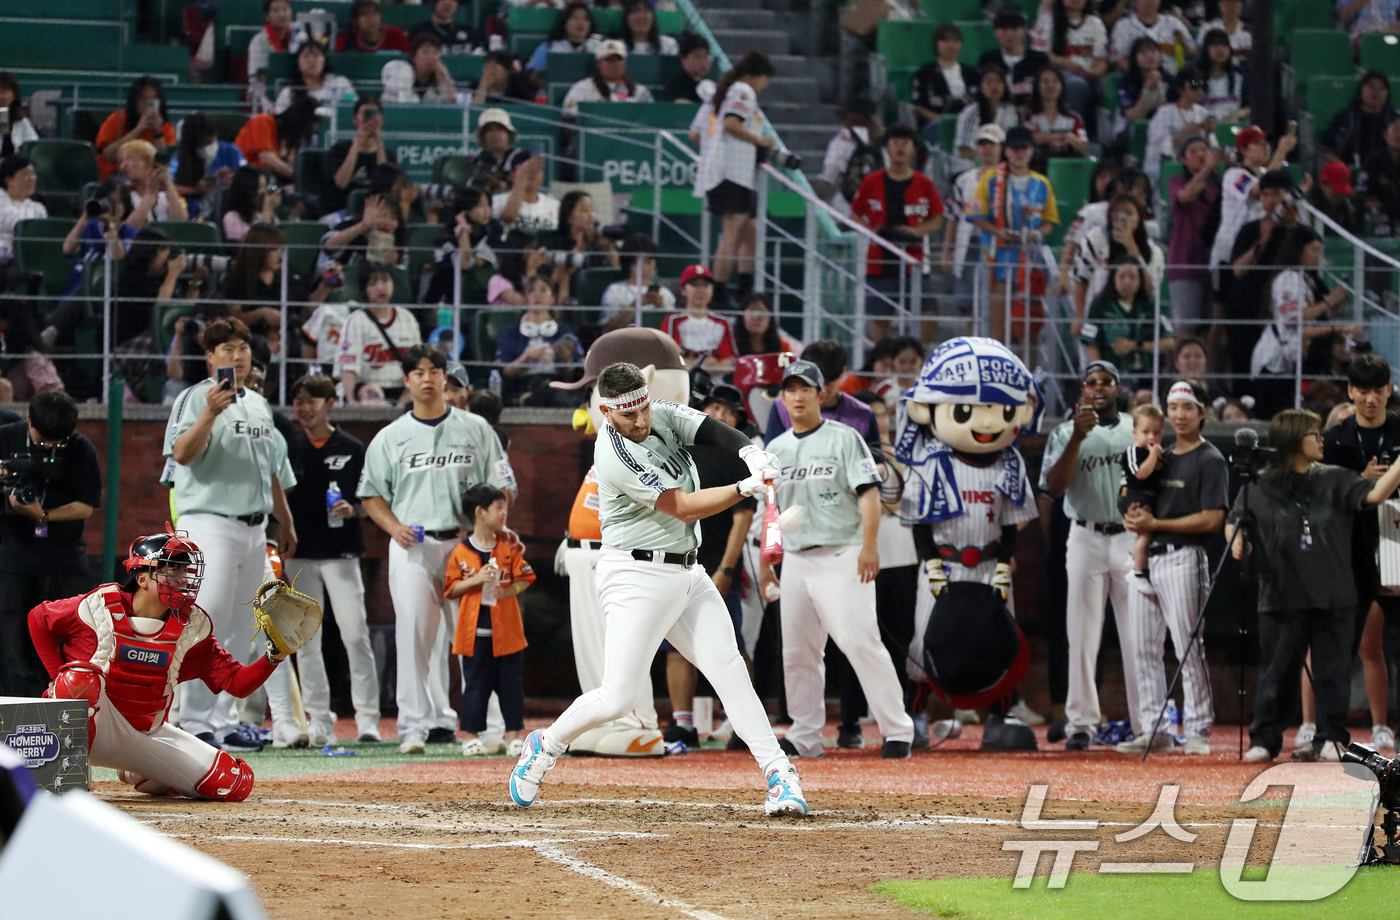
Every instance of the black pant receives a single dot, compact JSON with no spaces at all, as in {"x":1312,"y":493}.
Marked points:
{"x":1284,"y":640}
{"x":21,"y":671}
{"x":1051,"y":601}
{"x":895,"y":593}
{"x":484,"y":672}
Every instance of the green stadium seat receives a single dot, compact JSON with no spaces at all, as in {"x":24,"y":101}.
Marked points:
{"x":670,"y":22}
{"x":354,"y":66}
{"x":532,"y":19}
{"x":39,"y":250}
{"x":588,"y":288}
{"x":1304,"y":15}
{"x":303,"y":243}
{"x":85,"y":46}
{"x":1381,"y":51}
{"x":421,"y":238}
{"x":906,"y":44}
{"x":1069,"y":177}
{"x":487,"y":326}
{"x":947,"y":132}
{"x":1110,"y":91}
{"x":1137,"y":139}
{"x":312,"y":174}
{"x":567,"y":68}
{"x":465,"y":67}
{"x":1328,"y":52}
{"x":194,"y":236}
{"x":1326,"y":96}
{"x":671,"y":115}
{"x":946,"y":10}
{"x":227,"y":124}
{"x":63,"y":166}
{"x":652,"y":69}
{"x":978,"y":38}
{"x":106,"y":10}
{"x":608,"y":21}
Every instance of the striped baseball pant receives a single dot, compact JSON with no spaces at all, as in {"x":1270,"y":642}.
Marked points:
{"x":1181,"y":577}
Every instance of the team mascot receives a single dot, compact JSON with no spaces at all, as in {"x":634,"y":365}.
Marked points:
{"x":659,"y":357}
{"x":967,"y":494}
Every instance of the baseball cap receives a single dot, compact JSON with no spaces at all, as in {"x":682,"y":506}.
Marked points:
{"x":993,"y":133}
{"x":495,"y":117}
{"x":608,"y":48}
{"x":1184,"y":391}
{"x":1020,"y":136}
{"x":807,"y":371}
{"x":1251,"y":135}
{"x":458,"y":373}
{"x":1337,"y":177}
{"x":1105,"y":366}
{"x":729,"y":395}
{"x":696,"y":271}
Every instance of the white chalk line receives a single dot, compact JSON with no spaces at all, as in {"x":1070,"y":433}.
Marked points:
{"x":588,"y":870}
{"x":399,"y":845}
{"x":157,"y":817}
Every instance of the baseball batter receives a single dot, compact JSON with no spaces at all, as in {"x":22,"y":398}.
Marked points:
{"x":649,"y":584}
{"x":827,"y":469}
{"x":415,"y":471}
{"x":1081,"y":463}
{"x":125,"y":649}
{"x":1189,"y":510}
{"x":229,"y":466}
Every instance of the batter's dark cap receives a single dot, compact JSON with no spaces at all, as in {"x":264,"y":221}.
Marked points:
{"x":974,"y":653}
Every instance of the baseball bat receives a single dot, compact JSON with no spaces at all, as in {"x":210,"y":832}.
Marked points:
{"x":772,"y":529}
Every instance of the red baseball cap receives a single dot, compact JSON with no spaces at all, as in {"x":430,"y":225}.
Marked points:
{"x":696,"y":271}
{"x":1338,"y":178}
{"x":1251,"y":135}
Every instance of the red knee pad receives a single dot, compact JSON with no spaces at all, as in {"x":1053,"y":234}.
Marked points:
{"x":79,"y":680}
{"x":229,"y":780}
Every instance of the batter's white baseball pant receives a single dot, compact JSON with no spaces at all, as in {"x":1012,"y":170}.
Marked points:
{"x":423,"y":624}
{"x":750,"y":601}
{"x":341,"y":580}
{"x":235,"y":557}
{"x":166,"y":756}
{"x":589,"y":628}
{"x":1098,"y":567}
{"x":1182,"y":581}
{"x":824,"y":596}
{"x":645,"y":602}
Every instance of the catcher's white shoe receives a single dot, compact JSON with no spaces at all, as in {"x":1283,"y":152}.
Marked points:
{"x":286,"y":734}
{"x":784,"y":793}
{"x":413,"y":743}
{"x":529,"y":771}
{"x":322,"y":733}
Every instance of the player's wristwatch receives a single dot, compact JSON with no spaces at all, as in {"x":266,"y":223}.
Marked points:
{"x":728,"y":570}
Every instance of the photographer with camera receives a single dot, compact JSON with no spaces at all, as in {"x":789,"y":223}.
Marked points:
{"x":354,"y":159}
{"x":902,"y":206}
{"x":1301,"y":517}
{"x":51,"y":483}
{"x":490,"y":168}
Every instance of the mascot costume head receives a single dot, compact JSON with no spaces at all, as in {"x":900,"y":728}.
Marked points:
{"x":966,"y":492}
{"x":659,"y":357}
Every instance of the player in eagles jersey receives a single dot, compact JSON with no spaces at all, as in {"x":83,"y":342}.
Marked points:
{"x":648,"y":581}
{"x":416,"y":469}
{"x":830,"y":563}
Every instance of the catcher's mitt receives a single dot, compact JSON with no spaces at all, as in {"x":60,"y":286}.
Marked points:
{"x":289,"y":617}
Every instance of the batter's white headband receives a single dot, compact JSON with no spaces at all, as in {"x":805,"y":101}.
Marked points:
{"x":623,"y":402}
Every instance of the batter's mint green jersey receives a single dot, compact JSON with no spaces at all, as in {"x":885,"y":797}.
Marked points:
{"x":822,"y":470}
{"x":632,"y":476}
{"x":420,"y":468}
{"x":1092,"y":494}
{"x":232,"y":476}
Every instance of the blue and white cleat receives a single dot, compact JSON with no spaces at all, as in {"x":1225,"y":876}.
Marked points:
{"x":534,"y":763}
{"x":784,"y":793}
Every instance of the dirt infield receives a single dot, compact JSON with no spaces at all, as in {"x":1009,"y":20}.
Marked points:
{"x":683,"y":836}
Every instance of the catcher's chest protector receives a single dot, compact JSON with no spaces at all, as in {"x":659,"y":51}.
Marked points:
{"x":141,"y":670}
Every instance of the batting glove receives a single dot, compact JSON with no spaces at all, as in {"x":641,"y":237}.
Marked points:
{"x":1001,"y":581}
{"x":937,"y":576}
{"x":757,"y":484}
{"x":760,"y":460}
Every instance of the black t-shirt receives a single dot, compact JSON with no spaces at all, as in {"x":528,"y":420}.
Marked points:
{"x":1022,"y":77}
{"x":718,"y":467}
{"x":681,"y":88}
{"x":1247,"y":295}
{"x":339,"y":460}
{"x":1197,"y":480}
{"x":1371,"y":440}
{"x":894,"y":201}
{"x":137,"y":292}
{"x":334,"y":198}
{"x":456,"y":38}
{"x":79,"y":480}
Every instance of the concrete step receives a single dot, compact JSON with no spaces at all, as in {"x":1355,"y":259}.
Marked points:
{"x":739,"y":42}
{"x":806,"y":112}
{"x":741,"y":18}
{"x":795,"y":89}
{"x":806,"y":136}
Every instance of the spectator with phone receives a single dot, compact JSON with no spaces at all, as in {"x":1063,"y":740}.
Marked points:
{"x":355,"y":159}
{"x":374,"y":340}
{"x":530,"y":351}
{"x":16,"y":129}
{"x":1181,"y":118}
{"x":379,"y":235}
{"x":145,"y":177}
{"x":577,"y":244}
{"x":144,"y":118}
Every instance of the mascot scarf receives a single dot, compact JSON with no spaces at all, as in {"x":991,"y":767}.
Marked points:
{"x":969,"y":371}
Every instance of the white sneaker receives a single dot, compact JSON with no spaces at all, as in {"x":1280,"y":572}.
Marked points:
{"x":967,"y":716}
{"x":515,"y":748}
{"x":473,"y":747}
{"x":1026,"y":714}
{"x":1258,"y":754}
{"x":1382,"y":738}
{"x":367,"y":730}
{"x":724,"y":732}
{"x":1197,"y":745}
{"x":530,"y":769}
{"x":413,"y":743}
{"x":1330,"y":752}
{"x":1306,"y":733}
{"x":1160,"y":742}
{"x":286,"y":734}
{"x":322,"y":733}
{"x":784,"y":793}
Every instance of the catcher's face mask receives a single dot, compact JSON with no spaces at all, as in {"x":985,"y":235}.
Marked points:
{"x":176,"y":566}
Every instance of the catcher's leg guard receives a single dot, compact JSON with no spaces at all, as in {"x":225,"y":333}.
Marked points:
{"x":230,"y":779}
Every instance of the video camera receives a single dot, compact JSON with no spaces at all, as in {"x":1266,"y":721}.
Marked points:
{"x":1249,"y":459}
{"x":1385,"y":770}
{"x":24,"y":475}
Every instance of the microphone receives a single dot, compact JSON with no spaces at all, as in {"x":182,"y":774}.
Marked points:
{"x":1246,"y":438}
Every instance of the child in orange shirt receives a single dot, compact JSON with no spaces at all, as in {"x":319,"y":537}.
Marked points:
{"x":487,"y":570}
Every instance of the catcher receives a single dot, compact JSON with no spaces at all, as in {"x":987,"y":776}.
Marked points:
{"x":124,"y":648}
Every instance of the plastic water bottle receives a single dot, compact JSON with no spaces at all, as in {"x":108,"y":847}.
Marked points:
{"x":494,"y":384}
{"x":1173,"y":718}
{"x":333,"y":498}
{"x":488,"y":590}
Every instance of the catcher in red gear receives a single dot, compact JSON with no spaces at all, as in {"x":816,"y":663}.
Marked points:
{"x":125,"y":648}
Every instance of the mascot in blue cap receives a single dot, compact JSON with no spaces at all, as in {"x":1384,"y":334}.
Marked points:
{"x":967,"y":494}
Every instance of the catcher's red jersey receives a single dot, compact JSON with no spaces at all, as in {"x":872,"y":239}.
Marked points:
{"x":140,"y":671}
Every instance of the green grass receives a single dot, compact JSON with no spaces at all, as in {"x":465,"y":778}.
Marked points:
{"x":274,"y":763}
{"x":1197,"y":896}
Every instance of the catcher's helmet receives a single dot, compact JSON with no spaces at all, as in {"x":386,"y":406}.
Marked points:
{"x":974,"y":653}
{"x":177,"y":565}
